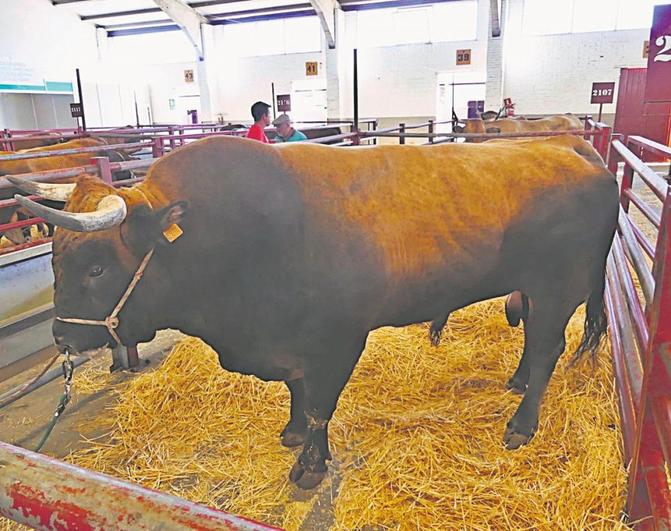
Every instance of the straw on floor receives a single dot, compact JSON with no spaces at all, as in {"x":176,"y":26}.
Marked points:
{"x":416,"y":437}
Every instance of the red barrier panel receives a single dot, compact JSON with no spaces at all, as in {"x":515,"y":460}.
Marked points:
{"x":640,"y":335}
{"x":48,"y":494}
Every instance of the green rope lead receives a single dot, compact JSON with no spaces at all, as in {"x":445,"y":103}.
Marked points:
{"x":68,"y":369}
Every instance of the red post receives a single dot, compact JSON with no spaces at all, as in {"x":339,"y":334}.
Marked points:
{"x":104,"y":170}
{"x":171,"y":133}
{"x":157,"y":147}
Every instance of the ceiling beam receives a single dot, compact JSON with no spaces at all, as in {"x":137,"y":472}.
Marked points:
{"x":260,"y":11}
{"x":358,"y":5}
{"x":326,"y":10}
{"x":142,"y":31}
{"x":63,"y":2}
{"x":145,"y":23}
{"x":260,"y":18}
{"x":121,"y":13}
{"x":188,"y":19}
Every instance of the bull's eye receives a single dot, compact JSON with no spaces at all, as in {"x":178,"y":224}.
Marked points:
{"x":96,"y":271}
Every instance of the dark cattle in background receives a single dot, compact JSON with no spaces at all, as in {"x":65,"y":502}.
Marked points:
{"x":320,"y":245}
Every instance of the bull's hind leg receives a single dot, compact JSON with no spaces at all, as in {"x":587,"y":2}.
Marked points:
{"x":294,"y":432}
{"x":544,"y":343}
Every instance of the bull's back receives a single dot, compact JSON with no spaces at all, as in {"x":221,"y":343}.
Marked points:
{"x":436,"y":208}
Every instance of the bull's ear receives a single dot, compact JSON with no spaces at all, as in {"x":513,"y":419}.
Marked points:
{"x":172,"y":214}
{"x":144,"y":228}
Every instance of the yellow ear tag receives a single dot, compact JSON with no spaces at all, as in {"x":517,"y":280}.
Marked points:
{"x":172,"y":232}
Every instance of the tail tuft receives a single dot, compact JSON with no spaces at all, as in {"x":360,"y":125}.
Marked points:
{"x":596,"y":325}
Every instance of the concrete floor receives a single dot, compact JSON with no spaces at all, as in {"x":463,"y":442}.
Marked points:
{"x":23,"y":422}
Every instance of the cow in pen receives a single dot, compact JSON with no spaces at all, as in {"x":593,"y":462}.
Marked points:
{"x":316,"y":246}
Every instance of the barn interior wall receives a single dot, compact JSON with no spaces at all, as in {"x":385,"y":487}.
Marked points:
{"x":51,"y":43}
{"x":548,"y":74}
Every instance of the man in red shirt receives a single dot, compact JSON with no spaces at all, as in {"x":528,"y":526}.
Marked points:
{"x":261,"y":115}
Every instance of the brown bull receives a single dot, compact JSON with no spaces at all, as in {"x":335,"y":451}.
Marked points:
{"x":12,"y":167}
{"x":564,"y":122}
{"x":319,"y":245}
{"x":10,"y":215}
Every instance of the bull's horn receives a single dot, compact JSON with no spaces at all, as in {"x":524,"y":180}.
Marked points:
{"x":52,"y":191}
{"x":111,"y":211}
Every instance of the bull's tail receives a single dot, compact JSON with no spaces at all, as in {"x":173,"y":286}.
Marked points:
{"x":596,"y":324}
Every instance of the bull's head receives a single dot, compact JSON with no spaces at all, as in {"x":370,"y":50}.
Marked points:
{"x":102,"y":236}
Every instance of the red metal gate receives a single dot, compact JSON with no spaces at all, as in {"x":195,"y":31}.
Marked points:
{"x":640,"y":331}
{"x":629,"y":110}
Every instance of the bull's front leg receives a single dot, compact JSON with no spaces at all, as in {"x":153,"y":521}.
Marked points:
{"x":324,"y":378}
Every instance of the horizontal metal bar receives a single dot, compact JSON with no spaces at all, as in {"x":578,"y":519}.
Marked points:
{"x":71,"y":151}
{"x":19,"y":224}
{"x":630,"y":295}
{"x":34,"y":490}
{"x":624,"y":392}
{"x":28,"y":138}
{"x":7,"y":251}
{"x":643,"y":241}
{"x":631,"y":357}
{"x":658,"y":185}
{"x":636,"y":257}
{"x":529,"y":134}
{"x":331,"y":138}
{"x":653,"y":215}
{"x":651,"y":145}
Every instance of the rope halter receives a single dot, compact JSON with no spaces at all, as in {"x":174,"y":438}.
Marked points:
{"x":111,"y":322}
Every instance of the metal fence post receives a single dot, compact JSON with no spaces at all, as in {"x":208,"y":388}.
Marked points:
{"x":157,"y":147}
{"x":171,"y":133}
{"x":431,"y":128}
{"x":401,"y":130}
{"x":104,"y":169}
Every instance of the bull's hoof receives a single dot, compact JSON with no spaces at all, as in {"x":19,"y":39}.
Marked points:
{"x":293,"y":435}
{"x":305,"y":479}
{"x":434,"y":336}
{"x":515,"y":437}
{"x":516,"y":386}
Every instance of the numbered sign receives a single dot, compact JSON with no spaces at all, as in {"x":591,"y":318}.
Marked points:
{"x":657,"y":86}
{"x":284,"y":102}
{"x":188,"y":76}
{"x":311,"y":68}
{"x":76,"y":110}
{"x":464,"y":57}
{"x":603,"y":92}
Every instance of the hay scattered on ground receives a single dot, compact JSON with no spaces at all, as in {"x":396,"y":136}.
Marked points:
{"x":416,"y":437}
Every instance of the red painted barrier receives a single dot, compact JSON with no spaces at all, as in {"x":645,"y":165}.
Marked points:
{"x":640,"y":336}
{"x":48,"y":494}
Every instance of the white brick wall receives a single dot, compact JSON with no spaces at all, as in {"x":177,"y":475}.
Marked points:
{"x":548,"y":74}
